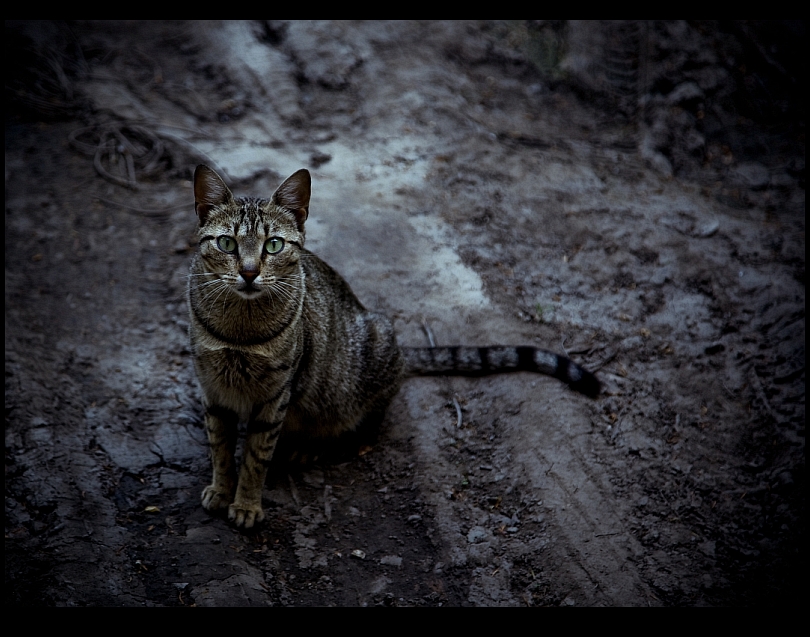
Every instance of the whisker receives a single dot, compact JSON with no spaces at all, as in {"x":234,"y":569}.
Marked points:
{"x":212,"y":304}
{"x":206,"y":288}
{"x":282,"y":295}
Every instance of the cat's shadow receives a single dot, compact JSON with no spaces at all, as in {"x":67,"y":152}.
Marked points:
{"x":297,"y":452}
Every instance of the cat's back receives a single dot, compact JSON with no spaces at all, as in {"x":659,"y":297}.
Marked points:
{"x":327,"y":294}
{"x":351,"y":359}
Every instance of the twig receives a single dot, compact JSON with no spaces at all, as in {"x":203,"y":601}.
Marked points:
{"x":157,"y":72}
{"x":609,"y":357}
{"x":103,"y":172}
{"x":193,"y":148}
{"x":294,"y":491}
{"x":761,"y":393}
{"x":327,"y":505}
{"x":144,"y":211}
{"x":458,"y":411}
{"x":426,"y":327}
{"x":139,"y":148}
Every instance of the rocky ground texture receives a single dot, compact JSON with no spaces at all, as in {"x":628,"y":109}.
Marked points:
{"x":629,"y":193}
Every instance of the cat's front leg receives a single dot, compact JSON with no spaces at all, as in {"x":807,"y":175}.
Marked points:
{"x":262,"y":435}
{"x":221,"y":425}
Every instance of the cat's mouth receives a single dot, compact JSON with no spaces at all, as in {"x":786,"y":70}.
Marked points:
{"x":248,"y":291}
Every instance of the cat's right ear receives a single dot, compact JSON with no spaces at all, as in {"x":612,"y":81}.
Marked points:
{"x":209,"y":191}
{"x":293,"y":194}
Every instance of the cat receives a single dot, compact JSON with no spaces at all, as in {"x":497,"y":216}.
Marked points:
{"x":280,"y":341}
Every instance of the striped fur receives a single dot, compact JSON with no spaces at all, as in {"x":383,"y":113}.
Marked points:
{"x":281,"y":342}
{"x":482,"y":361}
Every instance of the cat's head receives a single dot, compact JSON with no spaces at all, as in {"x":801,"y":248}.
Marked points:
{"x":251,"y":245}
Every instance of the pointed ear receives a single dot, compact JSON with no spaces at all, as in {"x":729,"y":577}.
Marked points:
{"x":209,"y":191}
{"x":293,"y":195}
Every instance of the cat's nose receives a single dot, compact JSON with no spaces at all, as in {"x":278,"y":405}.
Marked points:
{"x":249,"y":275}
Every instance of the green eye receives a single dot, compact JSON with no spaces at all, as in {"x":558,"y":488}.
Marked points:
{"x":226,"y":243}
{"x":273,"y":245}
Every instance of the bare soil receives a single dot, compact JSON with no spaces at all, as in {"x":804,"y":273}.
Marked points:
{"x":632,"y":194}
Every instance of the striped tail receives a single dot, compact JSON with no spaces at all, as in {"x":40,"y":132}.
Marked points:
{"x":483,"y":361}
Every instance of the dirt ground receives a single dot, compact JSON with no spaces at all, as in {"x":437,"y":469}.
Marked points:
{"x":632,"y":194}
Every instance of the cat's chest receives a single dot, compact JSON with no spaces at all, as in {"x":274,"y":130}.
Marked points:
{"x":253,"y":374}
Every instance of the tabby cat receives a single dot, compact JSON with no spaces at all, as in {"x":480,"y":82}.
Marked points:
{"x":279,"y":340}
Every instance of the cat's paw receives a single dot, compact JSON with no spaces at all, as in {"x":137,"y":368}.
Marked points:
{"x":215,"y":498}
{"x":245,"y":515}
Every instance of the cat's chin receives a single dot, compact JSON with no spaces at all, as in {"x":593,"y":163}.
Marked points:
{"x":250,"y":293}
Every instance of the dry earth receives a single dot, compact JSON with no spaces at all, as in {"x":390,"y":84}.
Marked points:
{"x":632,"y":194}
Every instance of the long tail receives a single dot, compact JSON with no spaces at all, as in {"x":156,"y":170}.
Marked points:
{"x":482,"y":361}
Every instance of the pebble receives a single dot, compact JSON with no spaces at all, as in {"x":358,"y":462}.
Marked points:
{"x":391,"y":560}
{"x":685,"y":92}
{"x":477,"y":534}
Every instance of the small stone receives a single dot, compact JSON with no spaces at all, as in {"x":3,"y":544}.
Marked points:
{"x":477,"y":534}
{"x":686,"y":92}
{"x":391,"y":560}
{"x":707,"y":229}
{"x":379,"y":585}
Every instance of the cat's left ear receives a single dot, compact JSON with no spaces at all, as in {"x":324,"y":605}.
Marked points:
{"x":293,"y":194}
{"x":209,"y":191}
